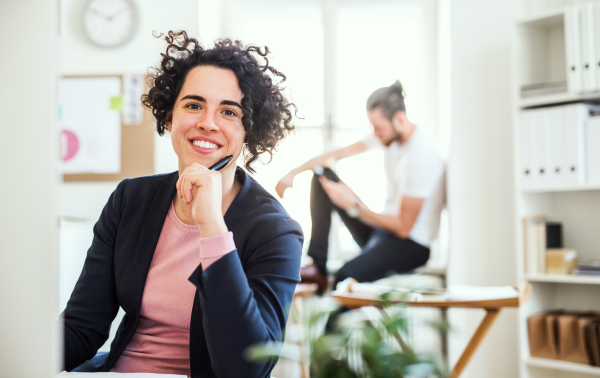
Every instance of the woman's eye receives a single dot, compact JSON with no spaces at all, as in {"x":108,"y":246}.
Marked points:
{"x":193,"y":106}
{"x":230,"y":113}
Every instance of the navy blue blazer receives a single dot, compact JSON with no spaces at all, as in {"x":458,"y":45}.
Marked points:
{"x":241,"y":299}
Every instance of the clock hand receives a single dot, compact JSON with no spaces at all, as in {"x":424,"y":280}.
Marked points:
{"x":115,"y":14}
{"x":100,"y":14}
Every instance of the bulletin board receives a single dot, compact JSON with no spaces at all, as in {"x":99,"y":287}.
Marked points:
{"x":137,"y":145}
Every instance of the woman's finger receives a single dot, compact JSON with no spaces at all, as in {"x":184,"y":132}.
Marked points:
{"x":188,"y":179}
{"x":187,"y":190}
{"x":184,"y":187}
{"x":178,"y":186}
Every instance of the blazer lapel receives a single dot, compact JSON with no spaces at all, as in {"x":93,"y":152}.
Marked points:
{"x":148,"y":239}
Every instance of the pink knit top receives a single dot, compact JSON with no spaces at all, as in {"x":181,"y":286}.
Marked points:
{"x":161,"y":341}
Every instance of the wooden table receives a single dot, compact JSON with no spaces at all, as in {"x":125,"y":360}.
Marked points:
{"x":305,"y":290}
{"x":492,"y":308}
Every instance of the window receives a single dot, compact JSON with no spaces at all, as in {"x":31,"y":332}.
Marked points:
{"x":334,"y":54}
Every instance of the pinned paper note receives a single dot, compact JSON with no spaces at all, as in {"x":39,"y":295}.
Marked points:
{"x":90,"y":120}
{"x":69,"y":145}
{"x":116,"y":103}
{"x":133,"y":88}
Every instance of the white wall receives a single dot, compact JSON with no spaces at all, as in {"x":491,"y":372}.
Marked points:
{"x":81,"y":57}
{"x":541,"y":6}
{"x":480,"y":178}
{"x":28,"y":229}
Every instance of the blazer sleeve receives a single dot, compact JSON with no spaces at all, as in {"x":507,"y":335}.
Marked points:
{"x":245,"y":304}
{"x":93,"y":304}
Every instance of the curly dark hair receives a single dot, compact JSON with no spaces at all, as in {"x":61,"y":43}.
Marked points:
{"x":267,"y":114}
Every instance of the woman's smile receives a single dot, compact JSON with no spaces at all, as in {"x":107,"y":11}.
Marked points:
{"x":205,"y":145}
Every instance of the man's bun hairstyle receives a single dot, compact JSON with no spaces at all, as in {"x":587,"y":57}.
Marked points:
{"x":389,"y":100}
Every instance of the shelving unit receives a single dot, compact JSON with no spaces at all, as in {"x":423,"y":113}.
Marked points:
{"x":556,"y":189}
{"x":541,"y":47}
{"x":556,"y":99}
{"x":563,"y":278}
{"x":563,"y":366}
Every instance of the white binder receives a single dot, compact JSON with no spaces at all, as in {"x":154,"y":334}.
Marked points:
{"x":593,"y":149}
{"x":573,"y":49}
{"x":575,"y":118}
{"x":541,"y":148}
{"x":596,"y":42}
{"x":558,"y":161}
{"x":526,"y":173}
{"x":587,"y":47}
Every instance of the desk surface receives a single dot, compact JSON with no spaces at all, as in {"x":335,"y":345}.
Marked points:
{"x":354,"y":300}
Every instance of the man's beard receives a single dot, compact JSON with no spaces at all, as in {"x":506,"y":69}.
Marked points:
{"x":396,"y":138}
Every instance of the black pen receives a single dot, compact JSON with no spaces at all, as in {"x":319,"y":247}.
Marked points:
{"x":221,"y":163}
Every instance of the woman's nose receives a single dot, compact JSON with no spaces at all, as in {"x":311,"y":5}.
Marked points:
{"x":207,"y":122}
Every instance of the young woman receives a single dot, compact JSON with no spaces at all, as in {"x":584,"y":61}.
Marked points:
{"x":204,"y":263}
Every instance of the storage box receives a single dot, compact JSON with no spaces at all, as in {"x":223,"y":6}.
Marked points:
{"x":571,"y":337}
{"x":560,"y":260}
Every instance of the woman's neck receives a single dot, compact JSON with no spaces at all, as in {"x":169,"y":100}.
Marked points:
{"x":231,"y":188}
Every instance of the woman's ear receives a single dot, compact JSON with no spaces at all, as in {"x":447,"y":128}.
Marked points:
{"x":168,"y":120}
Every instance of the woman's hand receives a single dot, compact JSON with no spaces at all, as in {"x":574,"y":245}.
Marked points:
{"x":203,"y":189}
{"x":286,"y":181}
{"x":339,"y":193}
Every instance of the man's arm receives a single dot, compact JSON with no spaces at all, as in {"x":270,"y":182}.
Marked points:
{"x":322,"y":160}
{"x":399,"y":225}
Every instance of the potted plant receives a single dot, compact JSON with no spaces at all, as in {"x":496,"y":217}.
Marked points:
{"x":368,"y":342}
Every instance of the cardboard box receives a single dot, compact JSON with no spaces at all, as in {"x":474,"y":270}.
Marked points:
{"x":560,"y":260}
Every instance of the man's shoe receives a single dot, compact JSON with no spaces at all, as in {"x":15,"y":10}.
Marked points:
{"x":310,"y":274}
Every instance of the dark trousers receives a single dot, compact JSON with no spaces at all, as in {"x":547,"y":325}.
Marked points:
{"x":381,"y":252}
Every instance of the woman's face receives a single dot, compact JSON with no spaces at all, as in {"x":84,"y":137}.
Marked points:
{"x":206,"y":122}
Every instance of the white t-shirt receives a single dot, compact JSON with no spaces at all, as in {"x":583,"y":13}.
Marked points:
{"x":414,"y":169}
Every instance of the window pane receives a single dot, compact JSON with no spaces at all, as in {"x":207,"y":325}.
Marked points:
{"x":374,"y":50}
{"x":294,"y":33}
{"x":376,"y":45}
{"x":293,"y":151}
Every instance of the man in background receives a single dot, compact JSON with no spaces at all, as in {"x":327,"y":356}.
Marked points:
{"x":398,"y":239}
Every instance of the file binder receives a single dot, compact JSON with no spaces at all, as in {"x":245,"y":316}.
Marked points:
{"x":573,"y":49}
{"x":543,"y":141}
{"x":587,"y":48}
{"x":596,"y":27}
{"x":575,"y":119}
{"x":526,"y":150}
{"x":558,"y":159}
{"x":592,"y":141}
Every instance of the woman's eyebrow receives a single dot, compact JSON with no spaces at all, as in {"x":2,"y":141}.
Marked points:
{"x":193,"y":97}
{"x":202,"y":99}
{"x":228,"y":102}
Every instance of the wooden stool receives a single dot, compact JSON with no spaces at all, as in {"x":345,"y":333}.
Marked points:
{"x":303,"y":290}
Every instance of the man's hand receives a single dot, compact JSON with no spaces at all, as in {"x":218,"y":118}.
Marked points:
{"x":339,"y":193}
{"x":286,"y":182}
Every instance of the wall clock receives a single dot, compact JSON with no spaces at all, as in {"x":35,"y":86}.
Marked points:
{"x":110,"y":23}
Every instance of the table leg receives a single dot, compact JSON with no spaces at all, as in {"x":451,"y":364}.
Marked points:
{"x":486,"y":323}
{"x":298,"y":303}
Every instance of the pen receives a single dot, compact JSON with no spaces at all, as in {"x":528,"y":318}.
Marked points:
{"x":221,"y":163}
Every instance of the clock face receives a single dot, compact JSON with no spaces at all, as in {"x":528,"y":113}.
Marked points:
{"x":110,"y":23}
